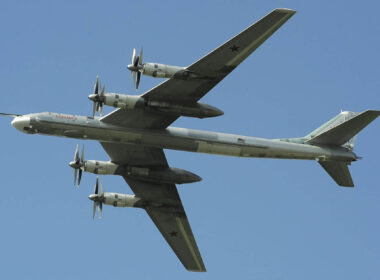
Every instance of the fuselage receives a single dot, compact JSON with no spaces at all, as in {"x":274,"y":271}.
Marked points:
{"x":175,"y":138}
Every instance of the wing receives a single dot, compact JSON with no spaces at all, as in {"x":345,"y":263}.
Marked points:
{"x":170,"y":217}
{"x":207,"y":72}
{"x":216,"y":65}
{"x":176,"y":229}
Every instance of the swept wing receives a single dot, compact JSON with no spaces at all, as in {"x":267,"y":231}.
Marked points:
{"x":168,"y":214}
{"x":208,"y":71}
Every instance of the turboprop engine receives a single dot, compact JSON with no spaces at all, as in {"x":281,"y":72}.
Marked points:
{"x":124,"y":101}
{"x":100,"y":167}
{"x":168,"y":175}
{"x":196,"y":110}
{"x":115,"y":199}
{"x":92,"y":166}
{"x":158,"y":70}
{"x":137,"y":67}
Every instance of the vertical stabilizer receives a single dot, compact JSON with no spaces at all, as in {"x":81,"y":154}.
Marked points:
{"x":341,"y":130}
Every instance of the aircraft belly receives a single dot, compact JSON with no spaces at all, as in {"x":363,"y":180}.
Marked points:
{"x":216,"y":148}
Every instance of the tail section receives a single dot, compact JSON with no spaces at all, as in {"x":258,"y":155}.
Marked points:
{"x":340,"y":132}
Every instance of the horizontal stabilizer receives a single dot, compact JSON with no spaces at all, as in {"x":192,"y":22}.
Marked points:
{"x":344,"y":131}
{"x":339,"y":171}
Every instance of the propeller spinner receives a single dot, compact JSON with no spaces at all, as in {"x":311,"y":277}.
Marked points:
{"x":78,"y":164}
{"x":136,"y":67}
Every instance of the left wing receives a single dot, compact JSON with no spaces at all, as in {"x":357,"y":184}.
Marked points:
{"x":169,"y":215}
{"x":202,"y":75}
{"x":176,"y":230}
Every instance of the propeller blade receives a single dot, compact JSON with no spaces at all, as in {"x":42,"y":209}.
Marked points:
{"x":100,"y":209}
{"x":140,"y":57}
{"x":136,"y":62}
{"x":75,"y":176}
{"x":133,"y":56}
{"x":93,"y":210}
{"x":134,"y":77}
{"x":96,"y":87}
{"x":80,"y":176}
{"x":93,"y":109}
{"x":96,"y":185}
{"x":76,"y":154}
{"x":101,"y":100}
{"x":99,"y":87}
{"x":138,"y":79}
{"x":82,"y":156}
{"x":101,"y":95}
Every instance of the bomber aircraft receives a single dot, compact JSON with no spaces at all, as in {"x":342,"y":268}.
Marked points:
{"x":135,"y":134}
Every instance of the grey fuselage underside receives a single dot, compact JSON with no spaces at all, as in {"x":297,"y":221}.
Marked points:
{"x":82,"y":127}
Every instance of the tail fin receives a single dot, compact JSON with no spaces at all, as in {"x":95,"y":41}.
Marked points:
{"x":341,"y":132}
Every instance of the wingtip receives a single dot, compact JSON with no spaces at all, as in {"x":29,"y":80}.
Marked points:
{"x":351,"y":185}
{"x":197,"y":270}
{"x":285,"y":10}
{"x":377,"y":112}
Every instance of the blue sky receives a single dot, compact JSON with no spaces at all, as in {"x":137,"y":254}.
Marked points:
{"x":252,"y":218}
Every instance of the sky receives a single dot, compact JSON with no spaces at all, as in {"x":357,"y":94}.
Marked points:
{"x":252,"y":218}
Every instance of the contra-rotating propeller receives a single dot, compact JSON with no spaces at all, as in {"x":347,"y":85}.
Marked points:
{"x":136,"y":67}
{"x":97,"y":197}
{"x":97,"y":98}
{"x":78,"y":164}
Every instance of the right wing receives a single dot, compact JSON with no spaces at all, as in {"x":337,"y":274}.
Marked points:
{"x":208,"y":72}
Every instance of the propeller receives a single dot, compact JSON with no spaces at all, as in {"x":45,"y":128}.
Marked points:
{"x":78,"y":164}
{"x":136,"y":67}
{"x":97,"y":98}
{"x":97,"y":197}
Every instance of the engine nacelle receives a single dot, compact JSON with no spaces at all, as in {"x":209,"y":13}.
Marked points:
{"x":160,"y":70}
{"x":169,"y":175}
{"x":122,"y":100}
{"x":122,"y":200}
{"x":100,"y":167}
{"x":196,"y":110}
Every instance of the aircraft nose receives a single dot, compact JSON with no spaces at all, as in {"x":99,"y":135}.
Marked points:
{"x":21,"y":122}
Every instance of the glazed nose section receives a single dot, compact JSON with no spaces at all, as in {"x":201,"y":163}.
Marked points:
{"x":21,"y":122}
